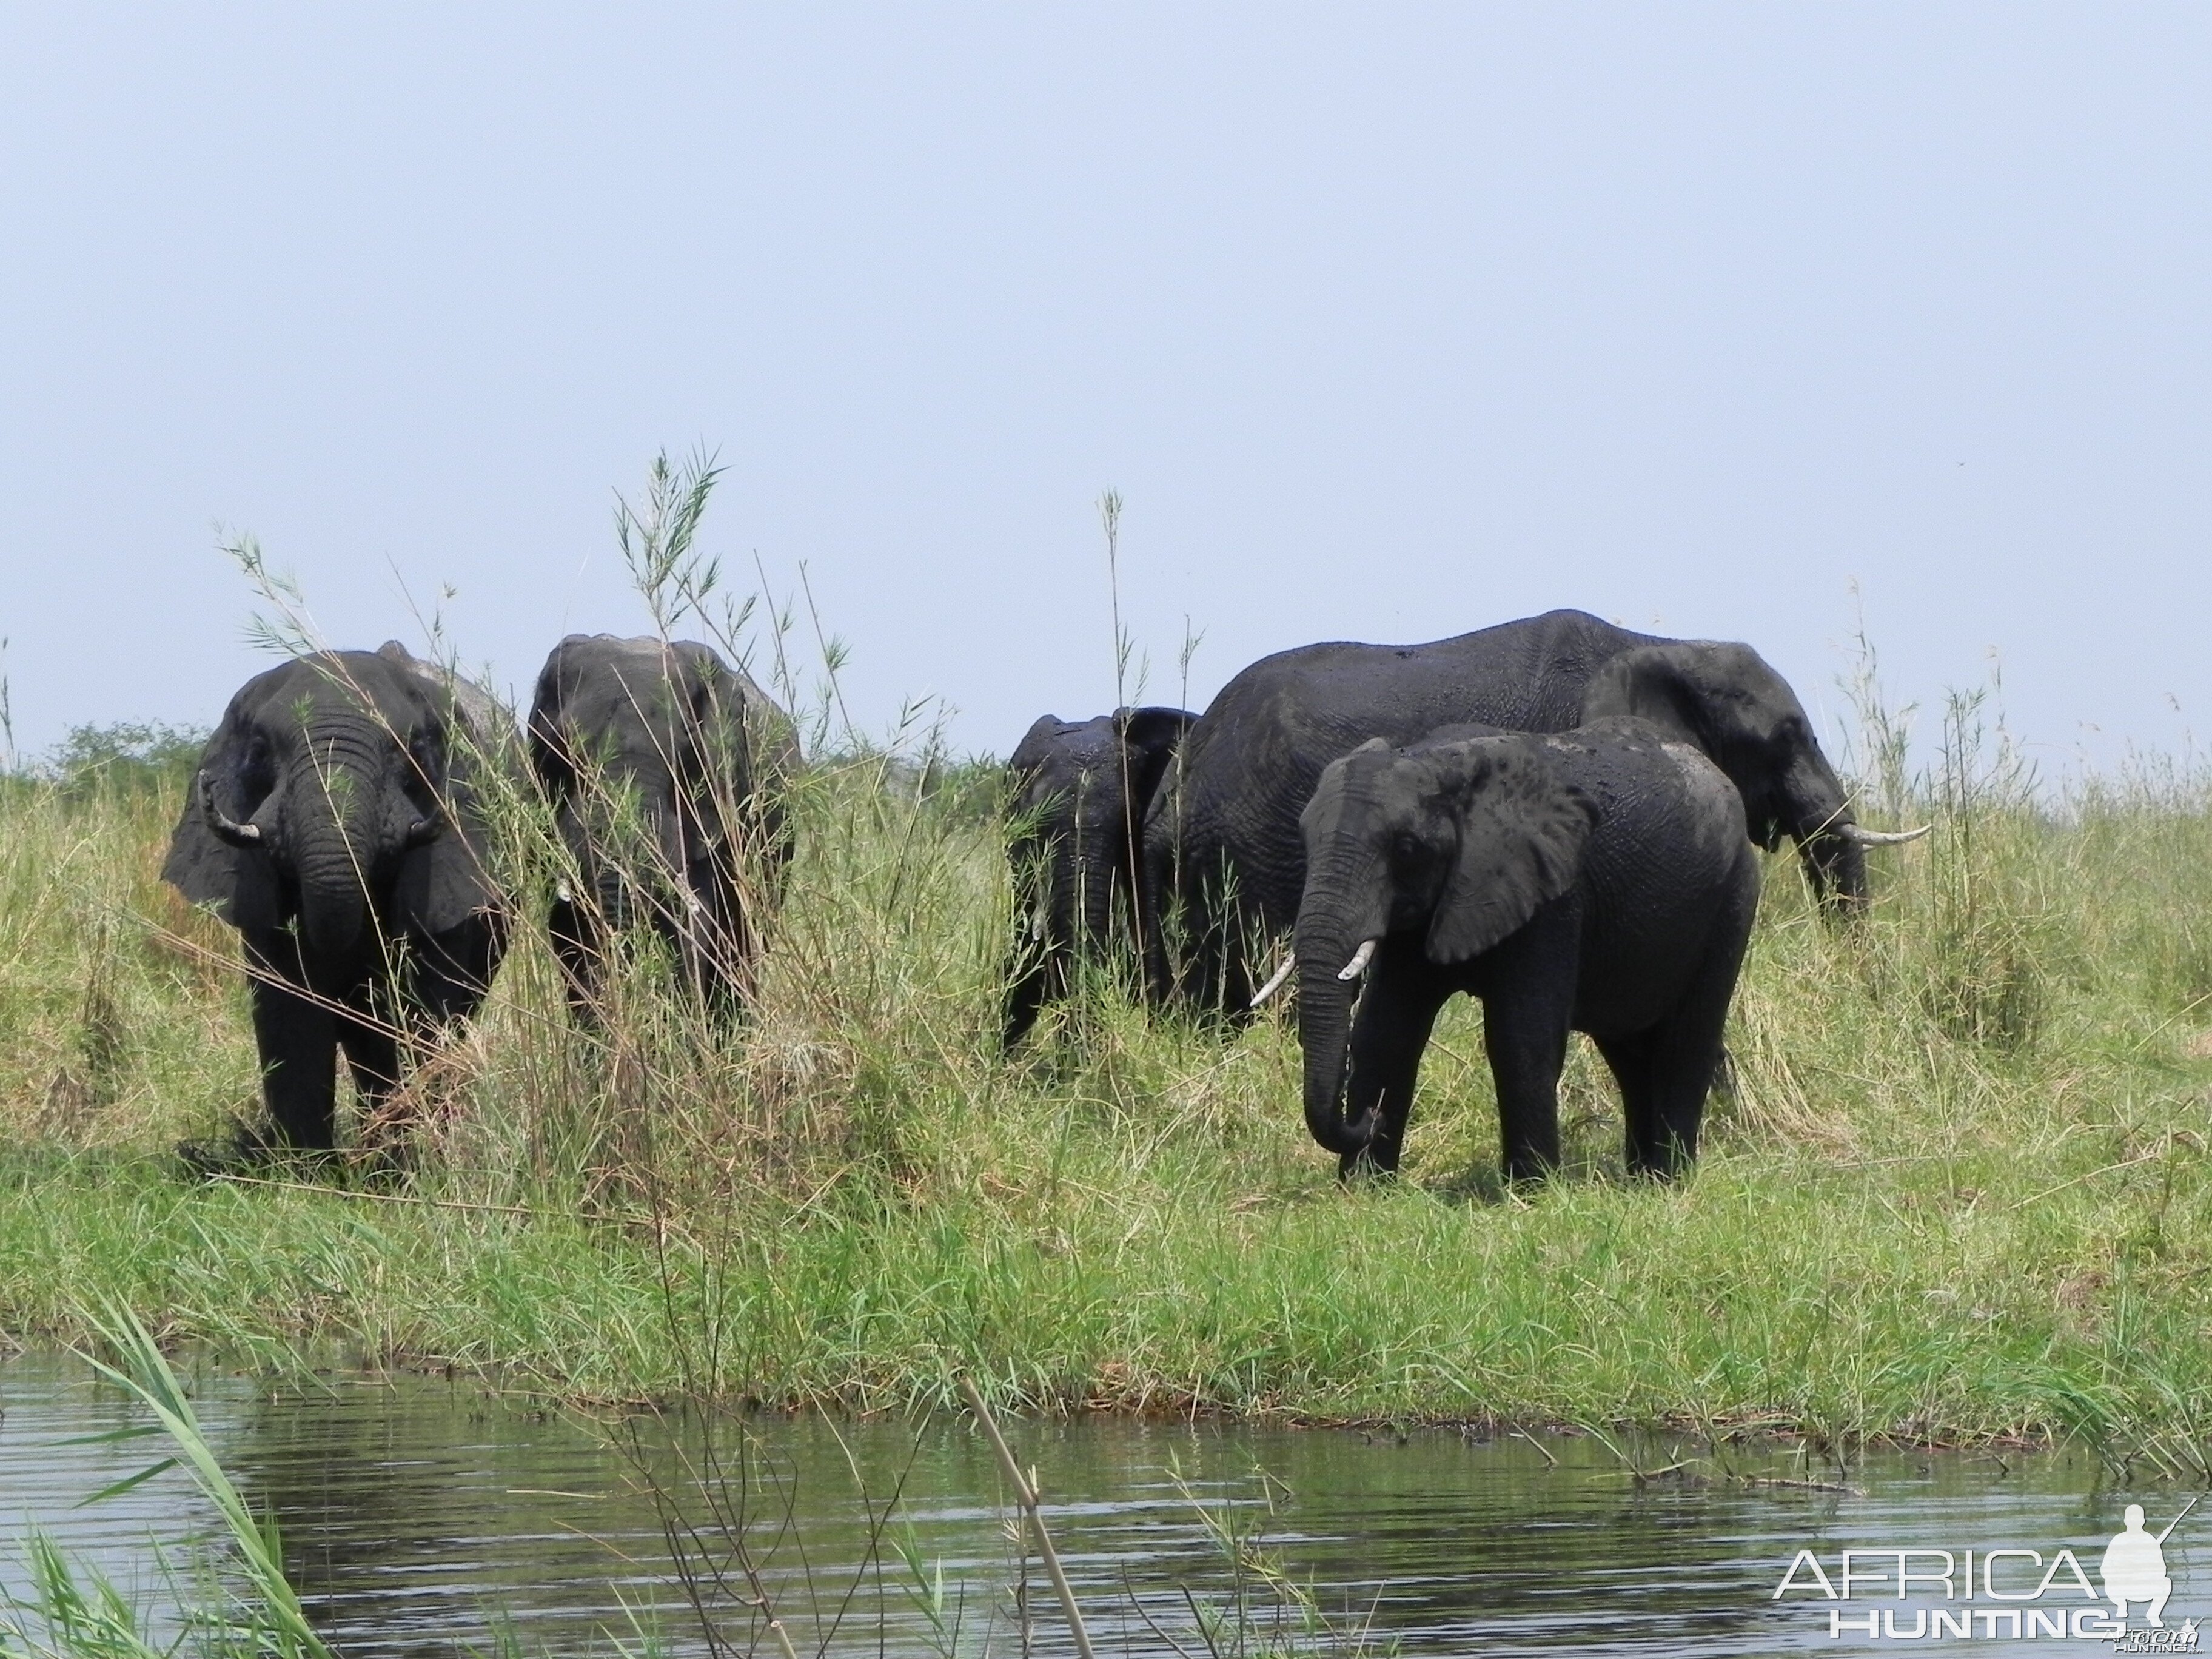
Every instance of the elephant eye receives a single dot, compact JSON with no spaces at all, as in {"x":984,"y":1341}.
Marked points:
{"x":551,"y":754}
{"x":257,"y":773}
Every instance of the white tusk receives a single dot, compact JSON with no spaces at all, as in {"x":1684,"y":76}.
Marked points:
{"x":1276,"y":983}
{"x":1357,"y":965}
{"x":561,"y":891}
{"x":229,"y":829}
{"x":1881,"y":838}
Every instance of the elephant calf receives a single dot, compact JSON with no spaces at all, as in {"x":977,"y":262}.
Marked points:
{"x":1079,"y":791}
{"x":1597,"y":880}
{"x":666,"y":768}
{"x":334,"y":821}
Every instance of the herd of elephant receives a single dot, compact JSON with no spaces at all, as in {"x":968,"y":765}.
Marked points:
{"x":1555,"y":816}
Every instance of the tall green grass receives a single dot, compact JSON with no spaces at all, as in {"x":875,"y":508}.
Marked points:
{"x":1960,"y":1188}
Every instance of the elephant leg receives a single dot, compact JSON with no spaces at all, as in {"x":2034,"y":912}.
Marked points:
{"x":1528,"y":990}
{"x":373,"y":1055}
{"x":1686,"y":1052}
{"x":737,"y":944}
{"x":451,"y":973}
{"x":1389,"y":1032}
{"x":579,"y":946}
{"x":690,"y":940}
{"x":1525,"y":1032}
{"x":1246,"y":964}
{"x":1629,"y":1058}
{"x":1526,"y":1056}
{"x":448,"y":976}
{"x":1663,"y":1136}
{"x":1037,"y":974}
{"x":708,"y":950}
{"x":1665,"y":1143}
{"x":726,"y":981}
{"x":1130,"y":901}
{"x":372,"y":1052}
{"x":298,"y":1043}
{"x":1204,"y":926}
{"x":724,"y":977}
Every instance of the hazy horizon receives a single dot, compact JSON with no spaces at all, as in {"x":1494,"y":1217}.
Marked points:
{"x":1704,"y":319}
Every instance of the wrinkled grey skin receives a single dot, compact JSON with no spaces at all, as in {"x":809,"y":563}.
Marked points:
{"x":1596,"y":880}
{"x":334,"y":822}
{"x":1224,"y":835}
{"x":1078,"y":792}
{"x":701,"y":755}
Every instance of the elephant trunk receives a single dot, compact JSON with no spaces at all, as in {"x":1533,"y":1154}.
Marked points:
{"x":1817,"y":813}
{"x":332,"y":813}
{"x":668,"y":862}
{"x":1326,"y":939}
{"x":598,"y":889}
{"x":1835,"y":866}
{"x":1037,"y":918}
{"x":1090,"y":864}
{"x":629,"y":848}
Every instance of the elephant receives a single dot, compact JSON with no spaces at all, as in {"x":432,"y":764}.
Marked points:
{"x":1597,"y":880}
{"x":1078,"y":792}
{"x":703,"y":756}
{"x":335,"y":820}
{"x":1225,"y":832}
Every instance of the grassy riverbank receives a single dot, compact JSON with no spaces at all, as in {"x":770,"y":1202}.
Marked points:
{"x":1961,"y":1189}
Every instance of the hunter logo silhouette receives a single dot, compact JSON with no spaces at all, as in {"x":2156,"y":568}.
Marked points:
{"x":2134,"y":1568}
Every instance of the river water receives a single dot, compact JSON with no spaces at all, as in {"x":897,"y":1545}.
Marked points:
{"x":419,"y":1513}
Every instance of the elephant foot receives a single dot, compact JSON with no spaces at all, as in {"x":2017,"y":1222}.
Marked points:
{"x":1527,"y":1179}
{"x":384,"y":1164}
{"x":248,"y":1152}
{"x":1368,"y":1167}
{"x":239,"y":1152}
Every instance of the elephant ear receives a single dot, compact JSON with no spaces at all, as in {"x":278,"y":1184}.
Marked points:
{"x":1150,"y":737}
{"x":1726,"y":701}
{"x":1038,"y":743}
{"x":448,"y":878}
{"x":1666,"y":685}
{"x":1521,"y":834}
{"x":715,"y":709}
{"x":772,"y":746}
{"x":239,"y":882}
{"x":545,"y":740}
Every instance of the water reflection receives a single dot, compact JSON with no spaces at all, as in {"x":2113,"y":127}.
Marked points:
{"x":417,"y":1512}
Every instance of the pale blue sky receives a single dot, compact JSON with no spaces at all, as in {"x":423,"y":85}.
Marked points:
{"x":1388,"y":322}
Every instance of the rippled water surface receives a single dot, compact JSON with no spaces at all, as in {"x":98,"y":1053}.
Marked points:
{"x":418,"y":1512}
